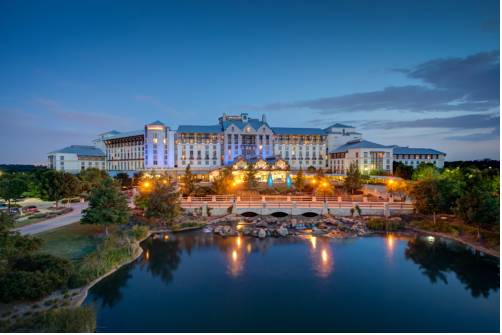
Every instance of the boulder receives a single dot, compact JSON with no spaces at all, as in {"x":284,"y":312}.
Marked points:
{"x":262,"y":233}
{"x":262,"y":224}
{"x":282,"y":232}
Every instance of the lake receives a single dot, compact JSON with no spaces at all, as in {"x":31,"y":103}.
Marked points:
{"x":388,"y":283}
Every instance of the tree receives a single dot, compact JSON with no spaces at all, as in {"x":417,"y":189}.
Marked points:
{"x":426,"y":193}
{"x":11,"y":188}
{"x":401,"y":170}
{"x":124,"y":179}
{"x":57,"y":185}
{"x":188,"y":182}
{"x":353,"y":179}
{"x":425,"y":170}
{"x":222,"y":183}
{"x":397,"y":186}
{"x":250,"y":177}
{"x":163,"y":203}
{"x":479,"y":204}
{"x":300,"y":181}
{"x":107,"y":206}
{"x":91,"y":178}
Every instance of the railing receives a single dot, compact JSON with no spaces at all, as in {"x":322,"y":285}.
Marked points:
{"x":287,"y":202}
{"x":284,"y":198}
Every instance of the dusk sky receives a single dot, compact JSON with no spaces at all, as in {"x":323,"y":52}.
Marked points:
{"x":418,"y":73}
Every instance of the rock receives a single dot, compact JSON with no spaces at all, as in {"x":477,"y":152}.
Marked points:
{"x":262,"y":224}
{"x":282,"y":232}
{"x":317,"y":232}
{"x":262,"y":233}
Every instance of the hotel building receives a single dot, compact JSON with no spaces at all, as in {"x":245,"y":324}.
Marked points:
{"x":75,"y":158}
{"x":239,"y":137}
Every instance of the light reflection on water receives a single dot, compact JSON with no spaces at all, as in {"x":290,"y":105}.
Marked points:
{"x":243,"y":275}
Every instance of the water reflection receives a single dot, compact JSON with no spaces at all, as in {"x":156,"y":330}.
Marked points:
{"x":109,"y":290}
{"x":321,"y":255}
{"x":436,"y":257}
{"x":162,"y":257}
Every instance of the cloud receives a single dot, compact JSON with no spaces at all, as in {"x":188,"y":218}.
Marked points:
{"x":469,"y":84}
{"x":477,"y":137}
{"x":453,"y":125}
{"x":470,"y":121}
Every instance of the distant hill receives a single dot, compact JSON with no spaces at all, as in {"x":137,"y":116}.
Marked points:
{"x":20,"y":167}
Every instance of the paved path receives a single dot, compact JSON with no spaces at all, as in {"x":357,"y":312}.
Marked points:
{"x":55,"y":222}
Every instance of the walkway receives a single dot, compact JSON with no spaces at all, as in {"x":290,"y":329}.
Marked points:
{"x":55,"y":222}
{"x":294,"y":205}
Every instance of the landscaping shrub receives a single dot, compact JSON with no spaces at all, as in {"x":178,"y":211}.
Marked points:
{"x":439,"y":226}
{"x":380,"y":224}
{"x":34,"y":277}
{"x":111,"y":253}
{"x":63,"y":320}
{"x":138,"y":232}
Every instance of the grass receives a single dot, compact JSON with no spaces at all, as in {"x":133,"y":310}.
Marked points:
{"x":72,"y":242}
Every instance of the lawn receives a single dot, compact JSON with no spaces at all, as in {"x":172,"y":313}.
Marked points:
{"x":73,"y":241}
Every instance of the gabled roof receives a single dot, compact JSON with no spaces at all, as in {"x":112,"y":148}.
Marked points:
{"x":416,"y":151}
{"x":81,"y":150}
{"x":359,"y":144}
{"x":126,"y":134}
{"x":199,"y":129}
{"x":297,"y":131}
{"x":109,"y":133}
{"x":255,"y":123}
{"x":339,"y":125}
{"x":156,"y":123}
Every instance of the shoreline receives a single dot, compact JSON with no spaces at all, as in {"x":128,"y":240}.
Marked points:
{"x":472,"y":245}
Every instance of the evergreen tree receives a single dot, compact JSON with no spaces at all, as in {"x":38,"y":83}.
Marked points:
{"x":222,"y":183}
{"x":163,"y":203}
{"x":107,"y":206}
{"x":250,"y":177}
{"x":300,"y":181}
{"x":188,"y":182}
{"x":353,"y":179}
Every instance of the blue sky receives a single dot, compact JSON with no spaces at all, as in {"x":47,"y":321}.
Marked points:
{"x":71,"y":70}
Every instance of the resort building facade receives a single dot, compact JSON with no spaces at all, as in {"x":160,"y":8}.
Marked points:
{"x":416,"y":156}
{"x":75,"y":158}
{"x":237,"y":138}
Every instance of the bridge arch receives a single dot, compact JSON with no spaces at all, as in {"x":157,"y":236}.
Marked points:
{"x":279,"y":214}
{"x":249,"y":214}
{"x":310,"y":214}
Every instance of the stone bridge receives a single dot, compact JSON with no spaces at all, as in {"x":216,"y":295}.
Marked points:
{"x":291,"y":205}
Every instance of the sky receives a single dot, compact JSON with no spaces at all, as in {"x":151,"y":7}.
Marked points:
{"x":421,"y":73}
